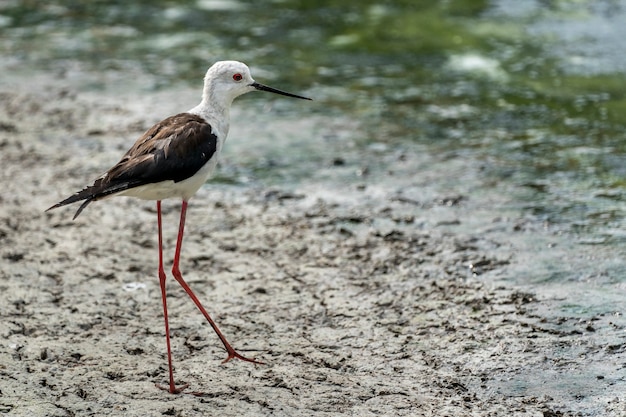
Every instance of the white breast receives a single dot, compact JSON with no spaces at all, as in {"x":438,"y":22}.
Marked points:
{"x":183,"y":189}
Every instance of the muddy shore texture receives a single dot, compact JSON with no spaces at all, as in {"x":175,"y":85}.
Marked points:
{"x":355,"y":308}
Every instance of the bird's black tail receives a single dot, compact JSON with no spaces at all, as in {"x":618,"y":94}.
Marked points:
{"x":87,"y":194}
{"x":100,"y":189}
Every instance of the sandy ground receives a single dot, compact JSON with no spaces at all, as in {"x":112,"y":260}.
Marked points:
{"x":355,"y":309}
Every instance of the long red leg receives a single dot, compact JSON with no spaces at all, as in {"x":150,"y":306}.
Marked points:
{"x":179,"y":277}
{"x":172,"y":388}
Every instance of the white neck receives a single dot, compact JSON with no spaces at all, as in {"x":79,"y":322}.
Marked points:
{"x":215,"y":109}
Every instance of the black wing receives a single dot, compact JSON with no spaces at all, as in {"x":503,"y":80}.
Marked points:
{"x":173,"y":149}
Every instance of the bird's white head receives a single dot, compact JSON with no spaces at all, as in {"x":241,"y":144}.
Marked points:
{"x":227,"y":80}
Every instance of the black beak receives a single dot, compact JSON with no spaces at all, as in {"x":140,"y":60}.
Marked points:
{"x":262,"y":87}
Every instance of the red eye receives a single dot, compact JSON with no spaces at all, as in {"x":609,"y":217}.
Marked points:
{"x":237,"y":77}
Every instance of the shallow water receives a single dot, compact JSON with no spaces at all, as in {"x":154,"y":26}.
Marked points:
{"x":515,"y":109}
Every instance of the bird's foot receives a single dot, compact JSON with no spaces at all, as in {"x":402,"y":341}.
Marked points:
{"x":172,"y":388}
{"x":232,"y":354}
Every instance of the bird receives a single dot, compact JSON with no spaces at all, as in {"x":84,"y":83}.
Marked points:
{"x":173,"y":159}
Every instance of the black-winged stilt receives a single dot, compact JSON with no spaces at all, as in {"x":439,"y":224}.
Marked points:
{"x":173,"y":159}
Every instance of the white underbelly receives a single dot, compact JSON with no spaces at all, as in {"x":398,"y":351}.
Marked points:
{"x":169,"y":189}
